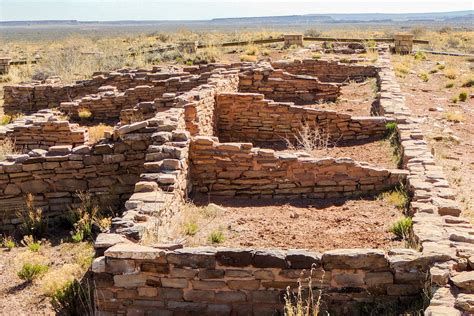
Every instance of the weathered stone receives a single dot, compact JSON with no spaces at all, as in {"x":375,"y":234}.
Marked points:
{"x":299,"y":259}
{"x":234,"y":257}
{"x":269,"y":259}
{"x":465,"y":302}
{"x":464,"y":280}
{"x":370,"y":259}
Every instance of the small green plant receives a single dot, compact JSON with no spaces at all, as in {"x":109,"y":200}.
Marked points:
{"x":83,"y":218}
{"x":316,"y":56}
{"x":31,"y":271}
{"x":5,"y":119}
{"x":84,"y":114}
{"x":344,"y":61}
{"x":441,"y":67}
{"x":449,"y":85}
{"x":29,"y":242}
{"x":33,"y":222}
{"x":191,"y":228}
{"x":419,"y":56}
{"x":8,"y":243}
{"x":424,"y":76}
{"x":217,"y":237}
{"x":77,"y":236}
{"x":402,"y":228}
{"x":433,"y":71}
{"x":391,"y":129}
{"x":455,"y":99}
{"x":463,"y":96}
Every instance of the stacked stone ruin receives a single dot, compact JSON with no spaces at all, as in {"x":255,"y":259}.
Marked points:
{"x":194,"y":130}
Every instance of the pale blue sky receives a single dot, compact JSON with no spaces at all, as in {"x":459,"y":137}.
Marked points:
{"x":104,"y":10}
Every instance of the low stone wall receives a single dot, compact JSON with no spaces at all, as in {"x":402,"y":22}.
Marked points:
{"x":326,"y":70}
{"x":109,"y":102}
{"x":278,"y":85}
{"x":249,"y":117}
{"x":222,"y":281}
{"x":232,"y":169}
{"x":198,"y":103}
{"x":35,"y":96}
{"x":437,"y":226}
{"x":43,"y":130}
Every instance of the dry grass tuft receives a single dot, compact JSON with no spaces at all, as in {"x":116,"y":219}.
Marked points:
{"x":454,"y":117}
{"x":7,"y":147}
{"x":97,"y":132}
{"x":451,"y":73}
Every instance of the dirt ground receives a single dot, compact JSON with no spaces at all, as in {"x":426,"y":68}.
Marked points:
{"x":431,"y":102}
{"x":18,"y":297}
{"x":376,"y":152}
{"x":356,"y":98}
{"x":299,"y":224}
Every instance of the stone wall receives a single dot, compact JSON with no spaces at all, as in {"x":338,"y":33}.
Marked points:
{"x":108,"y":170}
{"x":199,"y":103}
{"x":222,"y":281}
{"x":35,"y":96}
{"x":437,"y":226}
{"x":232,"y":169}
{"x":278,"y":85}
{"x":4,"y":65}
{"x":43,"y":130}
{"x":326,"y":70}
{"x":109,"y":102}
{"x":249,"y":117}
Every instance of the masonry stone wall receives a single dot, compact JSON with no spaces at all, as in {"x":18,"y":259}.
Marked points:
{"x":441,"y":232}
{"x":43,"y":130}
{"x":35,"y":96}
{"x":250,"y":117}
{"x":109,"y":102}
{"x":223,"y":281}
{"x":108,"y":170}
{"x":326,"y":70}
{"x":231,"y":169}
{"x":198,"y":103}
{"x":278,"y":85}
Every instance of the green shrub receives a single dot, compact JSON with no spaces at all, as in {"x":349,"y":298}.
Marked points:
{"x":33,"y":222}
{"x":402,"y":227}
{"x":391,"y":128}
{"x":29,"y":242}
{"x":316,"y":56}
{"x":424,"y":76}
{"x":449,"y":85}
{"x":191,"y":228}
{"x":8,"y":243}
{"x":217,"y":237}
{"x":463,"y":96}
{"x":5,"y":119}
{"x":455,"y":99}
{"x":84,"y":114}
{"x":433,"y":71}
{"x":419,"y":56}
{"x":344,"y":61}
{"x":441,"y":67}
{"x":84,"y":217}
{"x":31,"y":271}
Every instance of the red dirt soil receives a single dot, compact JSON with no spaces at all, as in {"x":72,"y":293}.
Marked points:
{"x":301,"y":224}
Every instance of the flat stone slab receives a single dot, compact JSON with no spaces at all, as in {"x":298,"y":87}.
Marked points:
{"x":464,"y":280}
{"x":133,"y":251}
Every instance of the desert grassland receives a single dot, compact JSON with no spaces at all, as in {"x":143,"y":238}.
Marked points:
{"x":79,"y":56}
